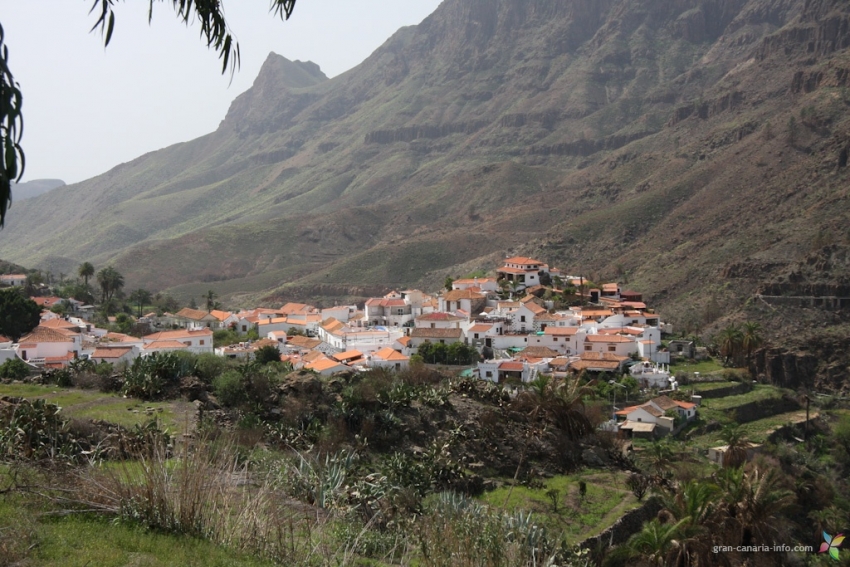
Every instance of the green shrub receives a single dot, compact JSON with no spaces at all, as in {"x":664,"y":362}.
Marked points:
{"x":229,"y":388}
{"x":267,"y":354}
{"x":14,"y":369}
{"x":208,"y":366}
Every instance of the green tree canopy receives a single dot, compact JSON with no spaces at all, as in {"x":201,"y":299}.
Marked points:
{"x":18,"y":314}
{"x":110,"y":280}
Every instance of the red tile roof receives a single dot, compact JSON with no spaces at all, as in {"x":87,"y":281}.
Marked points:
{"x":523,"y":260}
{"x":46,"y":335}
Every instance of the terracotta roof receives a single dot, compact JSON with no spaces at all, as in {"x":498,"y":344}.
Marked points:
{"x":58,"y":323}
{"x":390,"y":354}
{"x":303,"y":342}
{"x":458,"y":294}
{"x":313,"y":355}
{"x":332,"y":325}
{"x":534,"y":308}
{"x":220,"y":315}
{"x":45,"y":335}
{"x":538,"y":352}
{"x":473,"y":281}
{"x":594,"y":364}
{"x":322,"y":365}
{"x":439,"y":316}
{"x":423,"y":333}
{"x":523,"y":260}
{"x":512,"y":366}
{"x":610,"y":287}
{"x":193,"y":314}
{"x":5,"y":339}
{"x":348,"y":355}
{"x":508,"y":304}
{"x":165,"y":344}
{"x":560,"y":331}
{"x":607,"y":339}
{"x":603,"y":356}
{"x":641,"y":427}
{"x":119,"y":337}
{"x":178,"y":334}
{"x":635,"y":304}
{"x":404,"y":341}
{"x":664,"y":402}
{"x":292,"y":308}
{"x":509,"y":270}
{"x":648,"y":408}
{"x":46,"y":301}
{"x":480,"y":328}
{"x":111,"y":352}
{"x":685,"y":405}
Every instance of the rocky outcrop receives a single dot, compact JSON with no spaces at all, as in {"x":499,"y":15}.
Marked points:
{"x":786,"y":369}
{"x":410,"y":133}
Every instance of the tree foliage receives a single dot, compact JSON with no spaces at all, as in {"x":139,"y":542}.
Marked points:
{"x":18,"y":314}
{"x":110,"y":281}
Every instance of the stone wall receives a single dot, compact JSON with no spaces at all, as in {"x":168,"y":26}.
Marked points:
{"x":621,"y":530}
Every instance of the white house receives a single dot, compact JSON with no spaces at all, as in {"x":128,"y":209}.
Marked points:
{"x":44,"y":345}
{"x":388,"y":358}
{"x":391,"y":310}
{"x":191,"y":318}
{"x":198,"y":341}
{"x":16,"y":280}
{"x":614,"y":344}
{"x":420,"y":335}
{"x":483,"y":285}
{"x":521,"y":272}
{"x":465,"y":300}
{"x":439,"y":320}
{"x":115,"y":354}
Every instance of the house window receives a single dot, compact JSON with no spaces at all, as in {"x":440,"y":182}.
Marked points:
{"x":639,"y":419}
{"x":612,"y":348}
{"x":202,"y":342}
{"x":488,"y":374}
{"x":187,"y":343}
{"x":24,"y":355}
{"x":587,"y":347}
{"x":244,"y":328}
{"x":476,"y":335}
{"x":442,"y":342}
{"x":433,"y":325}
{"x":522,"y":318}
{"x":555,"y":339}
{"x":400,"y":312}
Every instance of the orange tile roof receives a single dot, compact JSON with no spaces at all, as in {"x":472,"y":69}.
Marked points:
{"x":111,"y":352}
{"x":220,"y":315}
{"x":458,"y":294}
{"x":534,"y":308}
{"x":587,"y":364}
{"x":610,"y":287}
{"x":119,"y":337}
{"x":425,"y":333}
{"x":390,"y":354}
{"x":293,"y":308}
{"x":404,"y":341}
{"x":439,"y":316}
{"x":479,"y":328}
{"x":170,"y":344}
{"x":322,"y":364}
{"x":178,"y":334}
{"x":607,"y":339}
{"x":509,"y":270}
{"x":602,"y":356}
{"x":194,"y":314}
{"x":5,"y":339}
{"x":332,"y":325}
{"x":538,"y":352}
{"x":561,"y":331}
{"x":512,"y":366}
{"x":348,"y":355}
{"x":59,"y":322}
{"x":45,"y":335}
{"x":473,"y":281}
{"x":303,"y":342}
{"x":46,"y":301}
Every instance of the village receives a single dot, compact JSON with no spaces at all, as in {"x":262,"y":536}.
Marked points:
{"x":504,"y":329}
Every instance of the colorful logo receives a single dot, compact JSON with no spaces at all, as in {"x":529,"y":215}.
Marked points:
{"x":831,"y":544}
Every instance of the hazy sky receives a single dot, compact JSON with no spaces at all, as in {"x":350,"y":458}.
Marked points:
{"x":87,"y":109}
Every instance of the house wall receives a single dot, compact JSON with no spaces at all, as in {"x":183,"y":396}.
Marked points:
{"x":620,"y":349}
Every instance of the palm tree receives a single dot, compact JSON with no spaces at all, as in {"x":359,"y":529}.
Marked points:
{"x":110,"y":281}
{"x":729,"y":342}
{"x":751,"y":338}
{"x":141,"y":297}
{"x":567,"y":407}
{"x":761,"y":507}
{"x":656,"y":542}
{"x":737,"y":445}
{"x":86,"y":270}
{"x":660,"y":458}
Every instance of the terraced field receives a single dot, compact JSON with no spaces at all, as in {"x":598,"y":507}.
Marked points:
{"x":90,"y":404}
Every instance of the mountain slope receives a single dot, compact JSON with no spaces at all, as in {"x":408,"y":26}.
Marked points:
{"x":698,"y":147}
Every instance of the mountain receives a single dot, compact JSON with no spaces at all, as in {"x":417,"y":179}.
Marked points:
{"x":696,"y":148}
{"x":34,"y":188}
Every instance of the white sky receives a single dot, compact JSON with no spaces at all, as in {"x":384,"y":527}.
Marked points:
{"x":87,"y":109}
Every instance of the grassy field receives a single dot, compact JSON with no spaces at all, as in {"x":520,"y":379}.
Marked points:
{"x":759,"y":392}
{"x":91,"y":404}
{"x":79,"y":541}
{"x":606,"y":500}
{"x":708,"y":386}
